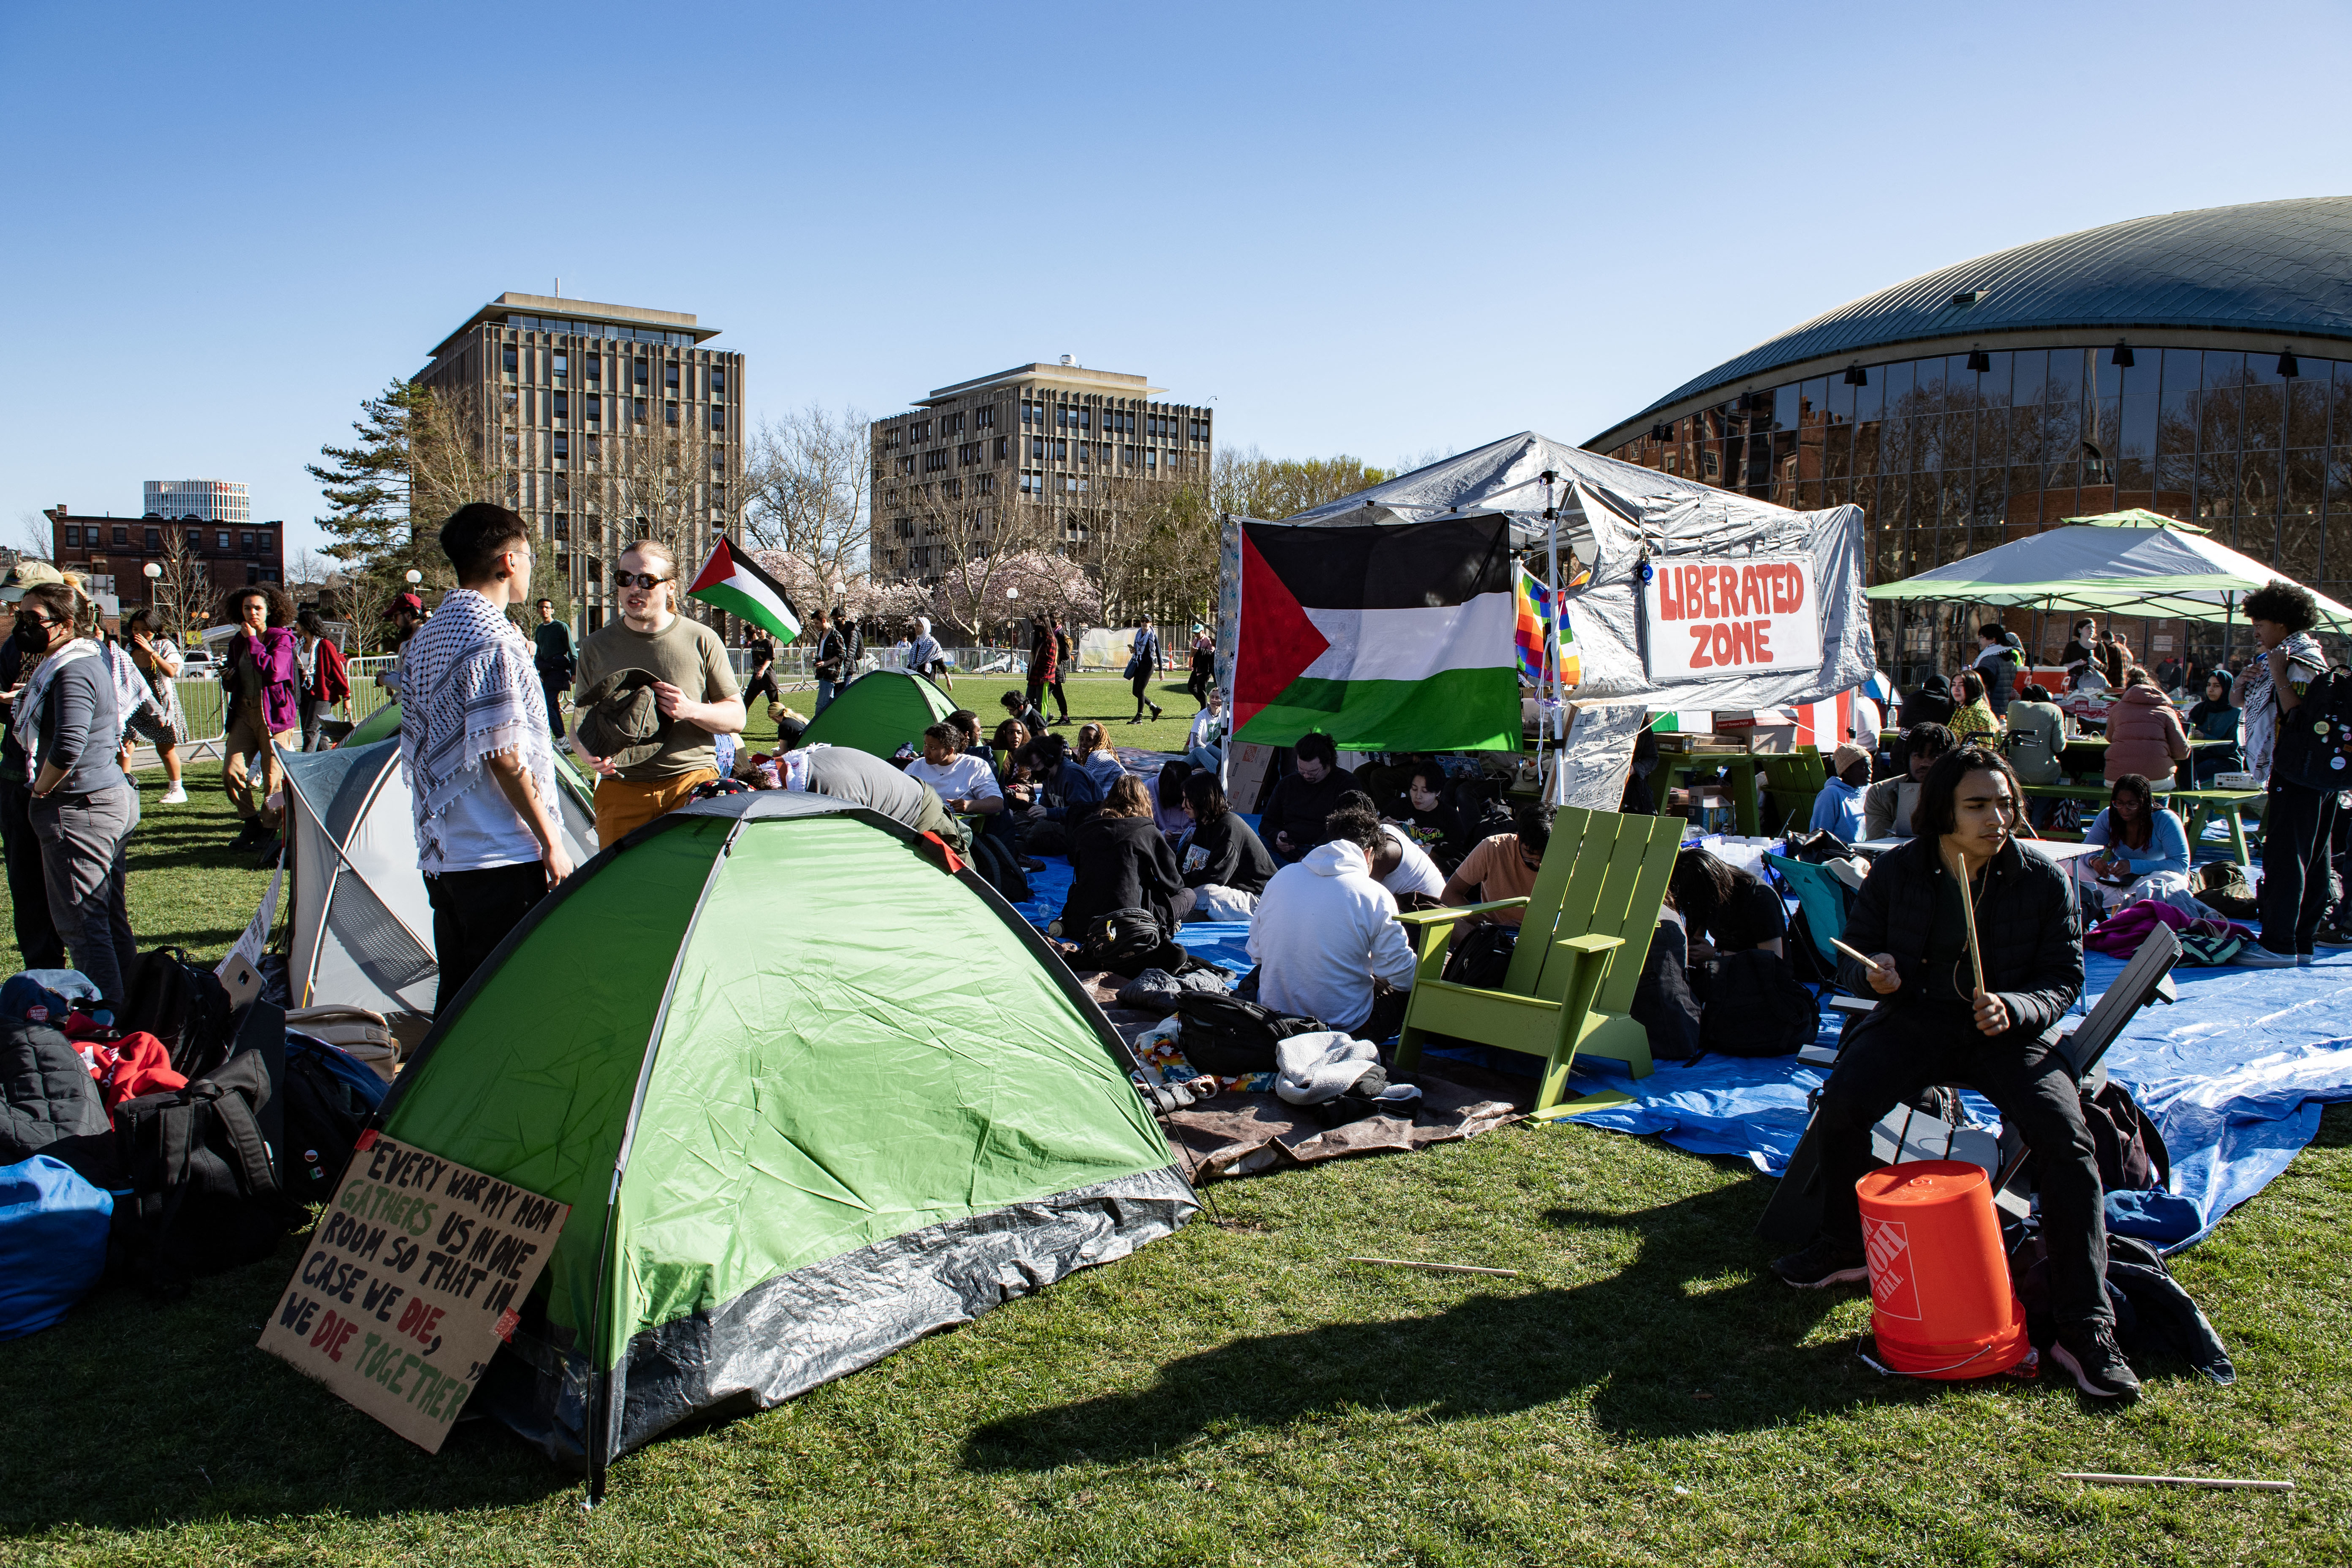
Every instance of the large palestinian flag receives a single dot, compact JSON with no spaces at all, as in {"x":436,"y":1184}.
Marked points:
{"x":734,"y":582}
{"x":1395,"y":638}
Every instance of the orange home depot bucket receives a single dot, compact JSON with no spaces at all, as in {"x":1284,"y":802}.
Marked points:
{"x":1941,"y":1305}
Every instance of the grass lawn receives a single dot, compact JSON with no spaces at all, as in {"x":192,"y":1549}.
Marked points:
{"x":1106,"y":699}
{"x":1641,"y":1392}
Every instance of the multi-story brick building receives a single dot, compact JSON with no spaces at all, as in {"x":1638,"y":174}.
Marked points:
{"x":196,"y":556}
{"x":604,"y":423}
{"x":1068,"y":447}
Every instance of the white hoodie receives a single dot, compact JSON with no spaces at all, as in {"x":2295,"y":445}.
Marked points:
{"x":1322,"y":930}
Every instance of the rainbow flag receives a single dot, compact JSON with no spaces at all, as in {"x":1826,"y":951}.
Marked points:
{"x":1536,"y":607}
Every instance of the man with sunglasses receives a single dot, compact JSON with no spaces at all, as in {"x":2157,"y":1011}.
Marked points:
{"x":1503,"y":865}
{"x":694,"y":688}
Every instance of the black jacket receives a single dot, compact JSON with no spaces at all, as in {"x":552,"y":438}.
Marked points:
{"x":1121,"y":862}
{"x":1231,"y":856}
{"x":2026,"y":920}
{"x":1299,"y":808}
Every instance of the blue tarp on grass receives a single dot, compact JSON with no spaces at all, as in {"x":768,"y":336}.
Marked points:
{"x":2234,"y":1074}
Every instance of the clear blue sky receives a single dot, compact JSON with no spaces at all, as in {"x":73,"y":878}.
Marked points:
{"x":1372,"y":228}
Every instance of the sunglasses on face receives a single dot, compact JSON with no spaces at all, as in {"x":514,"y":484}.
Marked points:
{"x":639,"y":580}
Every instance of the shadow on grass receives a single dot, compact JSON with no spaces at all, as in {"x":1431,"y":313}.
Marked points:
{"x":1690,"y":1336}
{"x":145,"y":1416}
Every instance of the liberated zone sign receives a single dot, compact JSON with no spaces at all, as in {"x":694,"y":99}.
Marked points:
{"x":1709,"y":616}
{"x":408,"y":1283}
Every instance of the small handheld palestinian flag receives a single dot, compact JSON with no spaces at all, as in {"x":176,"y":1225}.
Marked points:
{"x":733,"y":580}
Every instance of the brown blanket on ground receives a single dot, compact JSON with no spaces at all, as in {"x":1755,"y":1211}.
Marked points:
{"x":1239,"y":1134}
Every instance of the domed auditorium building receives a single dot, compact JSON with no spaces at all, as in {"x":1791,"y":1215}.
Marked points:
{"x":2197,"y":364}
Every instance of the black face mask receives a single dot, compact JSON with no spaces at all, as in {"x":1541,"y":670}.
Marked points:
{"x":31,"y":635}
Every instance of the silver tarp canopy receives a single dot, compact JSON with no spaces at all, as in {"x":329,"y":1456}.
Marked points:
{"x":1623,"y":509}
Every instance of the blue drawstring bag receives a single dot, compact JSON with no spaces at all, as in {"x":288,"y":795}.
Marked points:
{"x":53,"y":1226}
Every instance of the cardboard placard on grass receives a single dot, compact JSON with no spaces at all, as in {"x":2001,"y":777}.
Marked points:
{"x":415,"y":1273}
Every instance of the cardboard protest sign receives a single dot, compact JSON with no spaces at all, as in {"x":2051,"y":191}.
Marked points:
{"x":411,"y":1280}
{"x":1705,"y":617}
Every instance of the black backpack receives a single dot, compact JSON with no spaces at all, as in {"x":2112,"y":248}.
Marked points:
{"x":184,"y":1005}
{"x":328,"y":1098}
{"x":1755,"y":1007}
{"x":2315,"y":742}
{"x":1227,"y":1036}
{"x":205,"y":1193}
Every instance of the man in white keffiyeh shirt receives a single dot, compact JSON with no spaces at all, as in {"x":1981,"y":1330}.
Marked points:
{"x":474,"y":743}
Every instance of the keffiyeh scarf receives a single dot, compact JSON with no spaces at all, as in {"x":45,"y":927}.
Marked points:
{"x":131,"y":691}
{"x":25,"y":721}
{"x":469,"y":691}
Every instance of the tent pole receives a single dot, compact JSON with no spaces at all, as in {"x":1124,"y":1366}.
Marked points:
{"x":1550,"y":668}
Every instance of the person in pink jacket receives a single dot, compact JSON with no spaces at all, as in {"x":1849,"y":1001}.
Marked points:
{"x":261,"y":683}
{"x":2144,"y":733}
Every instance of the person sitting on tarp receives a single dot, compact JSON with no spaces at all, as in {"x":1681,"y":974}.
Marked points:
{"x":1398,"y":863}
{"x":1936,"y":1024}
{"x":1094,"y":754}
{"x":1050,"y":795}
{"x":1838,"y":809}
{"x":1224,"y":864}
{"x":1886,"y":807}
{"x":2142,"y":842}
{"x":1120,"y":860}
{"x":1326,"y":938}
{"x":1432,"y":817}
{"x":843,"y":773}
{"x":1305,"y":796}
{"x":1732,"y":909}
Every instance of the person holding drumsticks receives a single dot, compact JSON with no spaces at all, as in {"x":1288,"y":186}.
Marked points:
{"x":1971,"y":941}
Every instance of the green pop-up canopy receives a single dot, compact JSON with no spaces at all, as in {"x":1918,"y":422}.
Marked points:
{"x":2162,"y":572}
{"x":810,"y":1097}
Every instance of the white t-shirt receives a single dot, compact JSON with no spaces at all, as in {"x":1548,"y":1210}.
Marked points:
{"x":965,"y":778}
{"x":480,"y":829}
{"x":1415,"y":873}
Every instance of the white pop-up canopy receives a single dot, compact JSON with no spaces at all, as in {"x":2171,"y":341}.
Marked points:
{"x":2167,"y":572}
{"x":1625,"y":524}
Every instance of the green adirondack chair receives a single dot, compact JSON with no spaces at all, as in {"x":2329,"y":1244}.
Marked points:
{"x":1583,"y":939}
{"x":1791,"y":782}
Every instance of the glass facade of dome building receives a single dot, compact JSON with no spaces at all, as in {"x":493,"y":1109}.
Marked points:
{"x":2020,"y":423}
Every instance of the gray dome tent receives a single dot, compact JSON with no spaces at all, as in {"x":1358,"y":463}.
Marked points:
{"x":363,"y":930}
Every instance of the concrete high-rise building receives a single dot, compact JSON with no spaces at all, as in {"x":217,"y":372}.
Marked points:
{"x":206,"y":500}
{"x":603,"y":423}
{"x":1039,"y":455}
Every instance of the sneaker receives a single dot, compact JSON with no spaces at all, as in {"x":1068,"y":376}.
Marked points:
{"x":2331,"y":937}
{"x":2254,"y":956}
{"x":177,"y":795}
{"x":1155,"y":710}
{"x":1827,"y":1261}
{"x":2089,"y":1351}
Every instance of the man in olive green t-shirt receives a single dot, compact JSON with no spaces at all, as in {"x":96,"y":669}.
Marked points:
{"x":685,"y":657}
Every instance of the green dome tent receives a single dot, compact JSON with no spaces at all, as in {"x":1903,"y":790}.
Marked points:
{"x":879,"y":713}
{"x":810,"y":1098}
{"x":382,"y":724}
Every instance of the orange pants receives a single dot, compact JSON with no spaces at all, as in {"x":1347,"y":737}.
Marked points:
{"x":623,"y":807}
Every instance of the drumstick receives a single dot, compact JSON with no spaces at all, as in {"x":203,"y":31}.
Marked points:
{"x":1863,"y":958}
{"x":1968,"y":908}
